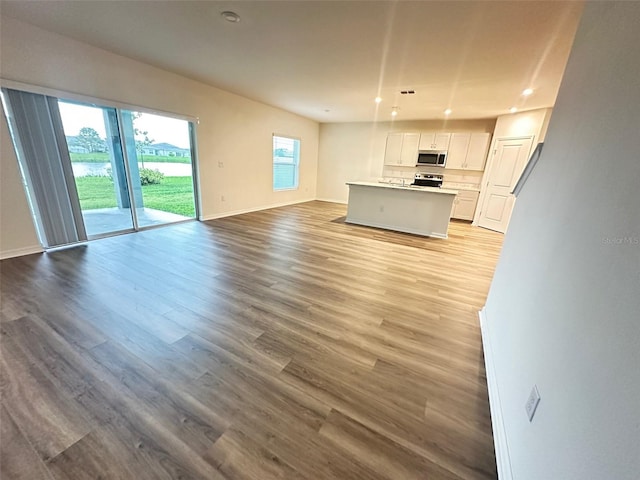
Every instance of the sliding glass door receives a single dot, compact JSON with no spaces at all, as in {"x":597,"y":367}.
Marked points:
{"x":94,"y":146}
{"x":93,"y":170}
{"x":160,"y":160}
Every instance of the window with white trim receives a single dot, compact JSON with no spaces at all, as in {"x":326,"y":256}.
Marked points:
{"x":286,"y":163}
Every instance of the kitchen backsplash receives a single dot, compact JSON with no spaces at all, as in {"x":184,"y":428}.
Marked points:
{"x":450,"y":176}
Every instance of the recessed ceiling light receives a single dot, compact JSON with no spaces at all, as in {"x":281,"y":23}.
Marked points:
{"x":230,"y":16}
{"x":513,"y":109}
{"x":447,"y":111}
{"x":378,"y":99}
{"x":527,"y":91}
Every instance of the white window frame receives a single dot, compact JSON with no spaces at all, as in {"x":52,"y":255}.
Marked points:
{"x":296,"y":162}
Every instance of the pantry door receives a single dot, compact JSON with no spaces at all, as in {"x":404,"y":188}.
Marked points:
{"x":508,"y":160}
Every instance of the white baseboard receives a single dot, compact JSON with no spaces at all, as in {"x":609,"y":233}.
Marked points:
{"x":18,"y":252}
{"x":253,"y":209}
{"x":503,"y":460}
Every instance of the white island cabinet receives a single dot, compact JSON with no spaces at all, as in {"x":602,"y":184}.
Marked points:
{"x":418,"y":210}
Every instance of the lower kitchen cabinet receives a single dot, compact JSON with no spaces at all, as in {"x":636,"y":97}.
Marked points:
{"x":464,"y":205}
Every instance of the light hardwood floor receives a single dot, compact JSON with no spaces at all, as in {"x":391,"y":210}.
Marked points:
{"x":278,"y":344}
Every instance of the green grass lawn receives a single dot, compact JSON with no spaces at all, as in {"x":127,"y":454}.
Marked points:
{"x":98,"y":157}
{"x":174,"y":194}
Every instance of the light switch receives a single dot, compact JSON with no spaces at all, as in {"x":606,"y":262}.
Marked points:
{"x":532,"y":402}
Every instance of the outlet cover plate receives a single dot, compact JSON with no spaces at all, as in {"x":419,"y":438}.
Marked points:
{"x":532,"y":402}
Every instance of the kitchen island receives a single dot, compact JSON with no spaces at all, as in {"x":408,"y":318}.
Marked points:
{"x":411,"y":209}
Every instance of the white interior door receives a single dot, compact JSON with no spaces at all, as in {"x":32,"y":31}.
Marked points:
{"x":510,"y":156}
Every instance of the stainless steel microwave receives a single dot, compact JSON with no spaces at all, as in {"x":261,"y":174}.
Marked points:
{"x":434,"y":158}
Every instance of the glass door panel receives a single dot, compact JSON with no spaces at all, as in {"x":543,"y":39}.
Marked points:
{"x":160,"y":163}
{"x":93,"y":141}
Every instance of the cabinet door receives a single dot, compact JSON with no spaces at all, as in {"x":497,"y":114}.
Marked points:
{"x":427,"y":141}
{"x":441,"y":141}
{"x":457,"y":154}
{"x":464,"y":206}
{"x":393,"y":150}
{"x":477,"y":153}
{"x":409,"y":153}
{"x":434,"y":141}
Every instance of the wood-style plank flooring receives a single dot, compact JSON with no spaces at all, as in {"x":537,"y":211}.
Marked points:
{"x":282,"y":344}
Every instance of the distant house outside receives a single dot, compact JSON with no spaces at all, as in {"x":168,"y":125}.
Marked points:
{"x":166,"y":150}
{"x":76,"y":145}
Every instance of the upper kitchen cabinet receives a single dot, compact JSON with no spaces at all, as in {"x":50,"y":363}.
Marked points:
{"x":402,"y":149}
{"x":409,"y":154}
{"x":434,"y":141}
{"x":393,"y":150}
{"x":468,"y":151}
{"x":477,"y":154}
{"x":457,"y":152}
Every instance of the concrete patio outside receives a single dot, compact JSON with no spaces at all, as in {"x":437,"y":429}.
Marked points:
{"x":107,"y":220}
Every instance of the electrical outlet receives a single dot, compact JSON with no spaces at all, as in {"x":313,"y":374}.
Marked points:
{"x":220,"y":164}
{"x":381,"y":208}
{"x":532,"y":402}
{"x":222,"y":198}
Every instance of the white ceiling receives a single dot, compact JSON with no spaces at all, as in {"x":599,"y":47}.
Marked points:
{"x":327,"y":60}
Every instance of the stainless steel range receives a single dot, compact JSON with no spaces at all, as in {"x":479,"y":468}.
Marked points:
{"x":427,"y":180}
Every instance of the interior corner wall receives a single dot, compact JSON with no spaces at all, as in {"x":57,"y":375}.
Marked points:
{"x":234,"y":133}
{"x":17,"y":232}
{"x":563,"y":311}
{"x":355,"y":151}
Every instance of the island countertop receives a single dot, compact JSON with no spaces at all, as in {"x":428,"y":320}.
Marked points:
{"x":415,"y":188}
{"x":410,"y":209}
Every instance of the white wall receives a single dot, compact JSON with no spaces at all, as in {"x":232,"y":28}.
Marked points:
{"x":17,"y":234}
{"x":531,"y":122}
{"x":233,"y":130}
{"x":563,"y":311}
{"x":355,"y":151}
